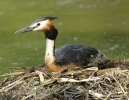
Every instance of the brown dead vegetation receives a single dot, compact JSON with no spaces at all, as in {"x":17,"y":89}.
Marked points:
{"x":80,"y":84}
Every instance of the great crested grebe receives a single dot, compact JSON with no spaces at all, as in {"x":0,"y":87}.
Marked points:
{"x":69,"y":54}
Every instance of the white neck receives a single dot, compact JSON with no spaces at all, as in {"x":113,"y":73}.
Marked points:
{"x":50,"y":51}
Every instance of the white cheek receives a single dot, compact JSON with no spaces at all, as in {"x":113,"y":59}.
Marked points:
{"x":41,"y":27}
{"x":38,"y":28}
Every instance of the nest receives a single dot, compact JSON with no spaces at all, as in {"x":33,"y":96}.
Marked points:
{"x":80,"y":84}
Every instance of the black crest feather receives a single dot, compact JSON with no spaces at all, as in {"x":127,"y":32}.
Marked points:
{"x":50,"y":18}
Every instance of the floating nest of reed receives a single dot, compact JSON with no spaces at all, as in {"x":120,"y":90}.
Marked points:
{"x":80,"y":84}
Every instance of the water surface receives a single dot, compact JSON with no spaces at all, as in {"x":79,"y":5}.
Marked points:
{"x":102,"y":24}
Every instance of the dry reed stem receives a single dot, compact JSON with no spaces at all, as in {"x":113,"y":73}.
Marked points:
{"x":12,"y":74}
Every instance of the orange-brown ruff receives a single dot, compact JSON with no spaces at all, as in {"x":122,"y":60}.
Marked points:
{"x":48,"y":26}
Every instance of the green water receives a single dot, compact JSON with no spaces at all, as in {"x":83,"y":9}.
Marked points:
{"x":102,"y":24}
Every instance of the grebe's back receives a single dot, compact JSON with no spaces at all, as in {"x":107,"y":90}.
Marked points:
{"x":78,"y":55}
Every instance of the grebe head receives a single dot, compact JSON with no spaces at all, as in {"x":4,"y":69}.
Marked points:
{"x":42,"y":24}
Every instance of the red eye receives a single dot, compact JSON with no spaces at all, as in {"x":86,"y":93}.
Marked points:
{"x":38,"y":24}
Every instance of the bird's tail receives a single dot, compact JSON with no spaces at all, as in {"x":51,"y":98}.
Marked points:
{"x":102,"y":62}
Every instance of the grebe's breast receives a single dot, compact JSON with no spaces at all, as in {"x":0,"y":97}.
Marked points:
{"x":77,"y":55}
